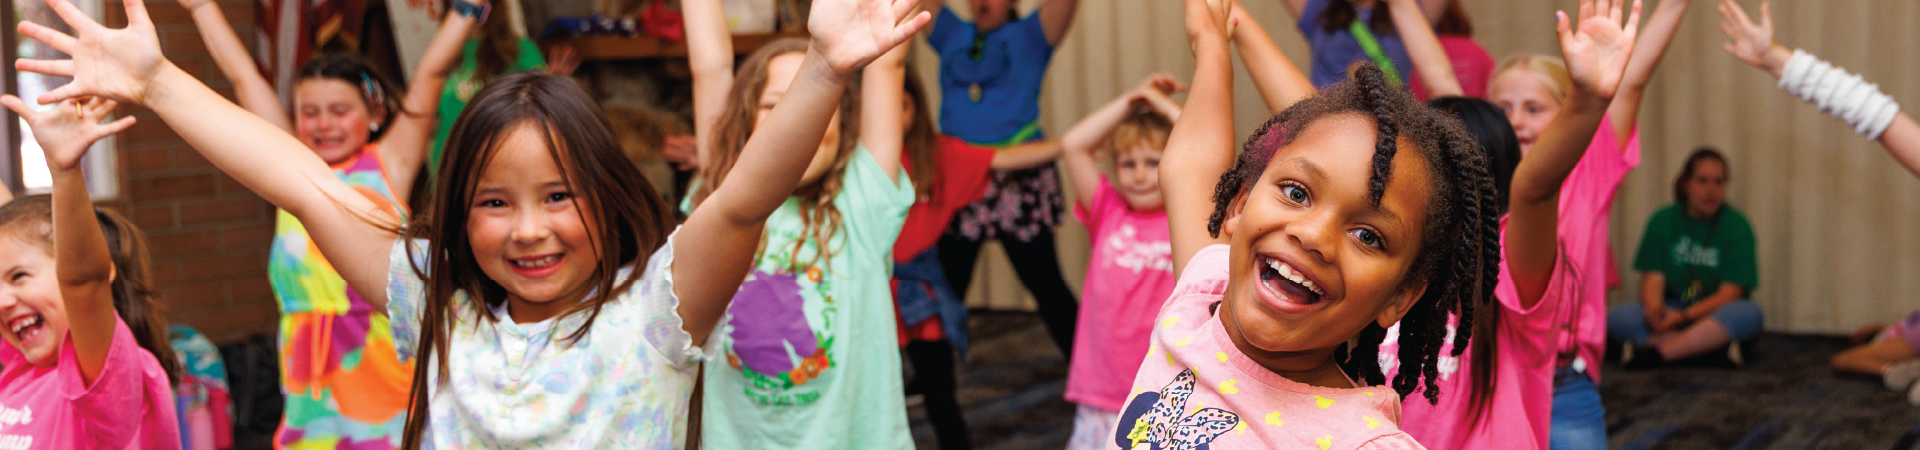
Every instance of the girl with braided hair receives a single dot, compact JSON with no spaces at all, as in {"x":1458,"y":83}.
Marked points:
{"x":1348,"y":212}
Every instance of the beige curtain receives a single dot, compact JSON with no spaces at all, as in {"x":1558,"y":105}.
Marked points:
{"x":1834,"y":215}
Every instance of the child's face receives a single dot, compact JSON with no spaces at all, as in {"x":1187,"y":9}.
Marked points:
{"x":1136,"y":174}
{"x":780,"y":73}
{"x":35,"y":319}
{"x":528,"y":230}
{"x":1308,"y":218}
{"x":1707,"y":188}
{"x":1529,"y":105}
{"x":332,"y":118}
{"x":989,"y":15}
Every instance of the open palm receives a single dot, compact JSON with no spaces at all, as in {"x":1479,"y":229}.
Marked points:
{"x":1597,"y":50}
{"x":851,"y":33}
{"x":66,"y":131}
{"x":1750,"y":41}
{"x":117,"y":64}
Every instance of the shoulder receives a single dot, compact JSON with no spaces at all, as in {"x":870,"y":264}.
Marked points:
{"x":1734,"y":220}
{"x":1206,"y":273}
{"x":1664,"y":215}
{"x":1394,"y":440}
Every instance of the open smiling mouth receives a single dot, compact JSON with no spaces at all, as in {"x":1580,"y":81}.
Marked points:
{"x":26,"y":328}
{"x":1289,"y":283}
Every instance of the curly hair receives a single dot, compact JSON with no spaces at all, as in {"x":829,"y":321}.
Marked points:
{"x":1461,"y":252}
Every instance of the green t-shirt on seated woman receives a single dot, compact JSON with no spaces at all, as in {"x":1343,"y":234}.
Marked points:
{"x":1697,"y":255}
{"x":463,"y":83}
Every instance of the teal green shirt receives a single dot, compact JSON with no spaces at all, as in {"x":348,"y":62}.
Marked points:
{"x":809,"y":357}
{"x":462,"y":84}
{"x":1696,"y":256}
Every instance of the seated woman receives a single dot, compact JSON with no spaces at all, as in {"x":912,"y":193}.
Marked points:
{"x":1697,"y":269}
{"x":1887,"y":351}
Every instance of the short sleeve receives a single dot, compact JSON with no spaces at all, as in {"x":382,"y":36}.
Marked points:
{"x":965,"y":170}
{"x":1740,"y":266}
{"x":1103,"y":203}
{"x":102,"y":408}
{"x":1032,"y":34}
{"x":654,"y":303}
{"x":1649,"y":258}
{"x":879,"y":203}
{"x":530,"y":57}
{"x":946,"y":27}
{"x":1205,"y":273}
{"x":406,"y":292}
{"x":1399,"y":440}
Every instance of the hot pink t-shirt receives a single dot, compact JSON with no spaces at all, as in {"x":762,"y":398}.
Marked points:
{"x":1195,"y":388}
{"x":1128,"y":278}
{"x":129,"y":406}
{"x":1520,"y":412}
{"x":1530,"y":341}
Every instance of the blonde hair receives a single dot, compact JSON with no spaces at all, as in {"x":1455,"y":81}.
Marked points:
{"x":1551,"y":71}
{"x":1141,"y":128}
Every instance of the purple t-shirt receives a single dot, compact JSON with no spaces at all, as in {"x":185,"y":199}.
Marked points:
{"x":129,"y":406}
{"x":1128,"y":278}
{"x":1334,"y":50}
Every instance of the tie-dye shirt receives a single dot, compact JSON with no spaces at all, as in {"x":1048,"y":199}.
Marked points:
{"x":625,"y":384}
{"x":345,"y":385}
{"x":1197,"y":390}
{"x":812,"y":359}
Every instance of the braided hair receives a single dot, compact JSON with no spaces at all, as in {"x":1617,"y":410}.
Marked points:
{"x":1461,"y":253}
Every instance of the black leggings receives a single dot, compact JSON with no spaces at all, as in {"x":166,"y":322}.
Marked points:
{"x":1039,"y":269}
{"x":933,"y":376}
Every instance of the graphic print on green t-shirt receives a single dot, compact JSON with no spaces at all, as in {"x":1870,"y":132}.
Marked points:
{"x":777,"y":344}
{"x":1696,"y":256}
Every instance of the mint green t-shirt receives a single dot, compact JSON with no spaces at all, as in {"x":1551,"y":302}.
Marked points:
{"x":462,"y":84}
{"x":1697,"y":255}
{"x":809,"y":356}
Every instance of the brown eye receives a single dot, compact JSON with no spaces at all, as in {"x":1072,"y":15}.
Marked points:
{"x":1368,"y":237}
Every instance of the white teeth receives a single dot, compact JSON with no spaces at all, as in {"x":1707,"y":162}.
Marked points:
{"x":1292,"y":275}
{"x":28,"y":323}
{"x":536,"y":263}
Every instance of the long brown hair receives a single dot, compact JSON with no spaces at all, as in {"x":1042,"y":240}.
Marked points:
{"x":499,"y":46}
{"x":1340,"y":13}
{"x":633,"y":219}
{"x":133,"y":294}
{"x":922,"y":142}
{"x":736,"y":124}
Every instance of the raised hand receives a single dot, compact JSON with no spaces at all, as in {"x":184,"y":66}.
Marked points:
{"x":66,"y":131}
{"x":1749,"y":41}
{"x":1161,"y":83}
{"x":1597,"y":50}
{"x":116,"y":64}
{"x":851,"y":33}
{"x":1210,"y":21}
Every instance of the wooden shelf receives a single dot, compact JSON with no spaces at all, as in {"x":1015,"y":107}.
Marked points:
{"x":608,"y":48}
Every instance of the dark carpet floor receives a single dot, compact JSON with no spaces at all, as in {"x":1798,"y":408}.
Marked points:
{"x":1784,"y":398}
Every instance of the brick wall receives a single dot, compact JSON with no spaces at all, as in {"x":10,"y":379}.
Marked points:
{"x":209,"y":235}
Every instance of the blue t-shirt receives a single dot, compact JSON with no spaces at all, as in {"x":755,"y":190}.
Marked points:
{"x":1009,"y":71}
{"x":1334,"y":51}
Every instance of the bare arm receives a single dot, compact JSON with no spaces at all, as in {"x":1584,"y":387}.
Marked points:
{"x":1087,"y":136}
{"x":250,"y":89}
{"x":710,"y":57}
{"x":1661,"y":26}
{"x":1200,"y":147}
{"x":1653,"y":296}
{"x":1596,"y":55}
{"x":1294,"y":9}
{"x":882,"y":99}
{"x":724,"y":232}
{"x":1753,"y":44}
{"x":1024,"y":156}
{"x":1281,"y":84}
{"x":83,"y":265}
{"x":1056,"y":16}
{"x":1430,"y":60}
{"x":404,"y":145}
{"x":1726,"y":293}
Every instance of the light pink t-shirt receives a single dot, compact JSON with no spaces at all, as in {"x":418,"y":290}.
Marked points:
{"x":129,"y":406}
{"x":1520,"y":413}
{"x":1195,"y":388}
{"x":1128,"y":278}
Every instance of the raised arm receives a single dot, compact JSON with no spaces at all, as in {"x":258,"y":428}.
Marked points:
{"x":1093,"y":130}
{"x":1596,"y":54}
{"x":1430,"y":61}
{"x":126,"y":64}
{"x":1753,"y":44}
{"x":1661,"y":26}
{"x":1281,"y":84}
{"x":720,"y":238}
{"x":1200,"y":147}
{"x":882,"y":96}
{"x":1294,"y":9}
{"x":1056,"y":16}
{"x":710,"y":57}
{"x":83,"y":265}
{"x":250,"y":89}
{"x":404,"y":146}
